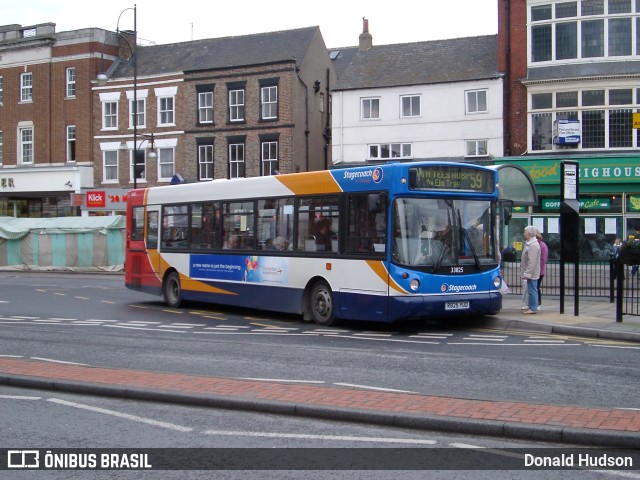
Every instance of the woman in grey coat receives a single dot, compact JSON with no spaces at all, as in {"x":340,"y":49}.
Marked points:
{"x":530,"y":267}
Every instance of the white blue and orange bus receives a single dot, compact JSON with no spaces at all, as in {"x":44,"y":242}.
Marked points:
{"x":376,"y":243}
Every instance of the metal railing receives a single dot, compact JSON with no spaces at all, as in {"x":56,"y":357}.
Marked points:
{"x":595,"y":278}
{"x":618,"y":282}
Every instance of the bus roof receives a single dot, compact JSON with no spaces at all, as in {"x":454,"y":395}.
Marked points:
{"x":362,"y":178}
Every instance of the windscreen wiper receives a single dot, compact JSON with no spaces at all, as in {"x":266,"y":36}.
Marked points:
{"x":466,"y":236}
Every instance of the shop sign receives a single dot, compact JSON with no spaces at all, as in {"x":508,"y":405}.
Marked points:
{"x":7,"y":182}
{"x":107,"y":199}
{"x":76,"y":199}
{"x":592,"y":170}
{"x":590,"y":203}
{"x":634,"y":203}
{"x":96,"y":199}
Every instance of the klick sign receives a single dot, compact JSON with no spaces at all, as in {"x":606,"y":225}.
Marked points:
{"x":96,"y":199}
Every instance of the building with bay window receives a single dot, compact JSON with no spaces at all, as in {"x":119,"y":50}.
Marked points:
{"x":572,"y":71}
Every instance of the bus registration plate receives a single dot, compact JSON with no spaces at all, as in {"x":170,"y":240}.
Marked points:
{"x":456,"y":305}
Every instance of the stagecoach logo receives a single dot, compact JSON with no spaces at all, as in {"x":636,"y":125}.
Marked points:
{"x":373,"y":174}
{"x":458,"y":288}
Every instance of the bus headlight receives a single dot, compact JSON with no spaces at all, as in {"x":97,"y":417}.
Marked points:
{"x":497,"y":282}
{"x":415,"y":284}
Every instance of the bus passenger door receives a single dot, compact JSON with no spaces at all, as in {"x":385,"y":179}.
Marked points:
{"x":153,"y":226}
{"x":135,"y":259}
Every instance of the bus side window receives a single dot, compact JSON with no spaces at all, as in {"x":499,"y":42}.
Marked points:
{"x":318,"y":219}
{"x":137,"y":224}
{"x":152,"y":230}
{"x":175,"y":224}
{"x":367,"y":225}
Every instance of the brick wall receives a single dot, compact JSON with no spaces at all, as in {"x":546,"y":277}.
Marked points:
{"x":252,"y":127}
{"x":515,"y":92}
{"x":50,"y":111}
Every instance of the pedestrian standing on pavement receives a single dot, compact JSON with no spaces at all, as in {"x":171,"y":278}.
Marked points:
{"x":634,"y":268}
{"x":544,"y":255}
{"x":530,"y":268}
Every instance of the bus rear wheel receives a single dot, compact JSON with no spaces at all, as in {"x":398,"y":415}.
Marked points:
{"x":321,"y":304}
{"x":171,"y":290}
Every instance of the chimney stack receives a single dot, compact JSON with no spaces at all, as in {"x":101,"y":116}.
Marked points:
{"x":366,"y":40}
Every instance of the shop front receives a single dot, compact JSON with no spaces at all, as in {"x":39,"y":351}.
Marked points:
{"x":609,"y":196}
{"x":42,"y":192}
{"x":104,"y":201}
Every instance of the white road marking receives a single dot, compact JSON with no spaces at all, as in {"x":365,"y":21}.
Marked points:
{"x":369,"y":334}
{"x":281,"y":380}
{"x":374,"y":339}
{"x":323,"y":330}
{"x":487,"y":336}
{"x":11,"y":356}
{"x":19,"y":397}
{"x":434,"y":337}
{"x":126,"y":416}
{"x":518,"y":344}
{"x":148,"y":329}
{"x":270,"y":330}
{"x":616,"y":346}
{"x":379,"y":389}
{"x":226,"y":327}
{"x":476,"y":339}
{"x":545,"y":341}
{"x":139,"y":322}
{"x":57,"y":361}
{"x":487,"y":450}
{"x":340,"y":438}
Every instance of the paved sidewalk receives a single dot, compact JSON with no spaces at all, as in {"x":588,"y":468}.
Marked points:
{"x":597,"y":318}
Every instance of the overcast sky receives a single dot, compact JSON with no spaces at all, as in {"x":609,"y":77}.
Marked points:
{"x":340,"y":21}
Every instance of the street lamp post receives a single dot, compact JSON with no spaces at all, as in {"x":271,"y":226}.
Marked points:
{"x":102,"y":80}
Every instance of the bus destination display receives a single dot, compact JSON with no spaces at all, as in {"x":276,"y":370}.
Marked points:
{"x":441,"y":177}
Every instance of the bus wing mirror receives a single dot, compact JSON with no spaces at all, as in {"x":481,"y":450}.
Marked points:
{"x":506,"y":214}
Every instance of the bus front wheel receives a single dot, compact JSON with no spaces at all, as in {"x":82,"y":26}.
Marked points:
{"x":171,"y":290}
{"x":321,"y":304}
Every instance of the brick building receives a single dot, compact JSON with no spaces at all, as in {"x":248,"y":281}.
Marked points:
{"x":571,"y":91}
{"x":216,"y":108}
{"x":46,"y":103}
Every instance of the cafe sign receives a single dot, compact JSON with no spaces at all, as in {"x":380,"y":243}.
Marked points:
{"x":585,"y":204}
